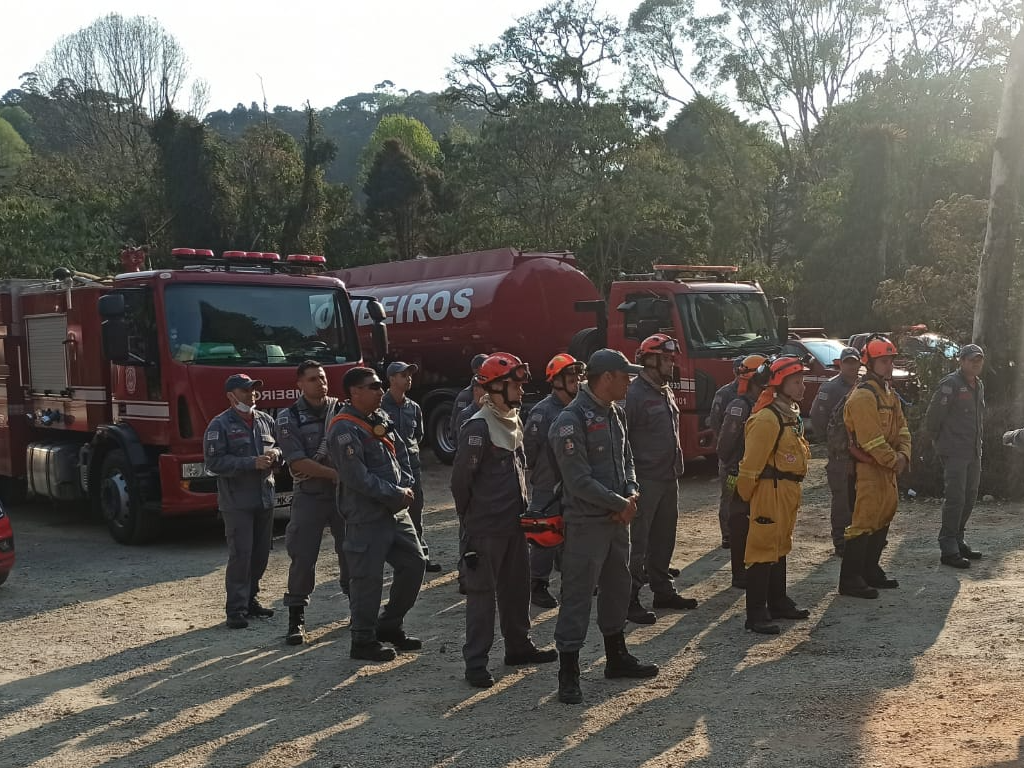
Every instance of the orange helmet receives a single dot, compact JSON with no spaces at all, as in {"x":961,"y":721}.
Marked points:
{"x":746,"y":369}
{"x":559,"y":363}
{"x":877,"y":346}
{"x":501,"y":366}
{"x":784,"y":367}
{"x":657,"y":344}
{"x":545,"y":532}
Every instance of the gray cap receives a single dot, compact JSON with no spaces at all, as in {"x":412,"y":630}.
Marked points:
{"x":241,"y":381}
{"x":607,"y":360}
{"x":399,"y":367}
{"x":849,"y":352}
{"x":971,"y":350}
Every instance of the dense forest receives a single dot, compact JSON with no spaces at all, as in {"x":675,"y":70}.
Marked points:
{"x":840,"y":152}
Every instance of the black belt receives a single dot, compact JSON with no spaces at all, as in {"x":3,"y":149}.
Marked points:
{"x":772,"y":473}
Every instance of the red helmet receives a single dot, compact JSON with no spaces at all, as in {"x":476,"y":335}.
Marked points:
{"x":559,"y":363}
{"x":877,"y":346}
{"x":501,"y":366}
{"x":544,"y":532}
{"x":745,"y":371}
{"x":657,"y":344}
{"x":784,"y":367}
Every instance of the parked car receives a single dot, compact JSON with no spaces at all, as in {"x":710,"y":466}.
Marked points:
{"x":6,"y":546}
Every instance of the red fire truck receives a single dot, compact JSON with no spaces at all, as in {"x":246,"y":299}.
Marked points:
{"x":107,"y":385}
{"x":443,"y":310}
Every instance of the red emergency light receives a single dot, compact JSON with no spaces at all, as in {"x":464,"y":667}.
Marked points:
{"x":234,"y":254}
{"x":300,"y":258}
{"x":318,"y":259}
{"x":183,"y":253}
{"x":270,"y":257}
{"x":204,"y":253}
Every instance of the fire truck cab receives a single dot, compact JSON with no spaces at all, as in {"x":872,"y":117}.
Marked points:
{"x":107,"y":385}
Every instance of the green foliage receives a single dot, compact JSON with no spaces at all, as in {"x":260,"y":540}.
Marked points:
{"x":396,"y":198}
{"x":413,"y":135}
{"x":13,"y":152}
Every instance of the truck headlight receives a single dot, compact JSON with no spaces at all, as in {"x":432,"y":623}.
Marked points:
{"x":193,"y":470}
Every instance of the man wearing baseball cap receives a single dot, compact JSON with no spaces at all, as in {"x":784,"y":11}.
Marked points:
{"x":240,"y":449}
{"x":407,"y":417}
{"x":838,"y":470}
{"x":954,"y":423}
{"x":599,"y":497}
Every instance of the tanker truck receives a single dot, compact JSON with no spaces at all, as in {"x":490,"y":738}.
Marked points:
{"x":443,"y":310}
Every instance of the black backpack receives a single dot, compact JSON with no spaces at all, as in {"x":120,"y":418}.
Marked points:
{"x":837,"y":436}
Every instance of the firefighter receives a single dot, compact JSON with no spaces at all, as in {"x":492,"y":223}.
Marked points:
{"x":467,"y":397}
{"x":599,"y":496}
{"x":563,"y":373}
{"x":376,"y":492}
{"x":240,"y":449}
{"x":652,"y":419}
{"x":723,"y":397}
{"x":489,"y":488}
{"x":880,"y":448}
{"x":838,"y":469}
{"x":773,"y":466}
{"x":954,"y":422}
{"x":752,"y":380}
{"x":302,"y":434}
{"x":407,"y":417}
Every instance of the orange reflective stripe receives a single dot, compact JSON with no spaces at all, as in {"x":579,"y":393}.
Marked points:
{"x":360,"y":423}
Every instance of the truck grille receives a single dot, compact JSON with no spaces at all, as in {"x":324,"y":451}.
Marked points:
{"x":46,"y":363}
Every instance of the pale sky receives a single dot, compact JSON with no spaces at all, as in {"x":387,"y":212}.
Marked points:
{"x":303,"y":50}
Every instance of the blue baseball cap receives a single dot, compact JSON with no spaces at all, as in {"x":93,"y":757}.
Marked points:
{"x":399,"y":367}
{"x":241,"y":381}
{"x":610,"y":360}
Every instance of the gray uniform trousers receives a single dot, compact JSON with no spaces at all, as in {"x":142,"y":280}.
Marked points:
{"x":724,"y":503}
{"x":842,"y":486}
{"x":502,"y":572}
{"x":652,"y":535}
{"x":368,"y":546}
{"x":248,"y":533}
{"x":596,"y":553}
{"x":961,"y":478}
{"x":416,"y":508}
{"x":311,"y":513}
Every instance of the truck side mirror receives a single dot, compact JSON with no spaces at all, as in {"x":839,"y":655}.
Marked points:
{"x":111,"y":305}
{"x":114,"y":339}
{"x":376,"y":311}
{"x":379,"y":331}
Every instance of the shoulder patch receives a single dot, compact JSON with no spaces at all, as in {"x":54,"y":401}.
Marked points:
{"x":346,"y":438}
{"x":823,"y":394}
{"x":213,"y":435}
{"x":475,"y":440}
{"x":568,"y":447}
{"x":282,"y":419}
{"x":566,"y":430}
{"x":946,"y":389}
{"x":736,"y":411}
{"x":535,"y":416}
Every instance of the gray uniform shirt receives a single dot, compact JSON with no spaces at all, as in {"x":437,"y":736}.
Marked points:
{"x":653,"y":419}
{"x":591,"y":446}
{"x":731,"y":439}
{"x":543,"y":476}
{"x":488,"y":483}
{"x":369,"y":473}
{"x":723,"y":397}
{"x":230,"y":448}
{"x":825,"y":402}
{"x":301,"y":433}
{"x":408,"y":421}
{"x":463,"y":399}
{"x":956,"y":418}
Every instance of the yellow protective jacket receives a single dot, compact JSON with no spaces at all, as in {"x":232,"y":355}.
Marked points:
{"x":874,"y":418}
{"x":774,"y":461}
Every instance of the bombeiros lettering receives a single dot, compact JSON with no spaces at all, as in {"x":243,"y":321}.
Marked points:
{"x":420,"y":307}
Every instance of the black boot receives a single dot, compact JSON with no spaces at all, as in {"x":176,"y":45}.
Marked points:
{"x":873,"y":573}
{"x":851,"y":574}
{"x":258,"y":610}
{"x":780,"y":605}
{"x":540,"y":596}
{"x":621,"y":663}
{"x":638,"y":614}
{"x":372,"y":651}
{"x":296,"y":625}
{"x":758,"y":619}
{"x":569,"y":678}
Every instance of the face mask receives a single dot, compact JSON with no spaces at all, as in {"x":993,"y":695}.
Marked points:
{"x":243,"y":408}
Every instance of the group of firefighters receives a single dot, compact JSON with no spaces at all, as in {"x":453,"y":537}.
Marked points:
{"x":589,"y":484}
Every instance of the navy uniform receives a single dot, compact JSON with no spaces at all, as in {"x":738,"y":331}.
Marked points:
{"x":723,"y":397}
{"x":462,"y":401}
{"x":489,"y":488}
{"x":839,"y":469}
{"x":302,"y":434}
{"x":543,"y":479}
{"x":731,"y":444}
{"x":955,"y":421}
{"x":652,"y":416}
{"x":407,"y":417}
{"x":245,"y":497}
{"x":370,"y":459}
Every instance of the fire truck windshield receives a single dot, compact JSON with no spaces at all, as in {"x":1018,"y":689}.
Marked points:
{"x":209,"y":324}
{"x":727,"y":322}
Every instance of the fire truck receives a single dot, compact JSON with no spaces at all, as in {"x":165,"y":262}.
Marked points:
{"x":107,"y":385}
{"x":443,"y":310}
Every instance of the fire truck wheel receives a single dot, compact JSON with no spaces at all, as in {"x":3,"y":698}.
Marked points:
{"x":441,"y":442}
{"x":121,"y":502}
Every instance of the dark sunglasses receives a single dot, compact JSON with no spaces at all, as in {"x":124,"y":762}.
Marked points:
{"x":370,"y":385}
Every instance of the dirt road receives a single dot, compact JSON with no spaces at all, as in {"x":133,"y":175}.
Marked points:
{"x":119,"y":657}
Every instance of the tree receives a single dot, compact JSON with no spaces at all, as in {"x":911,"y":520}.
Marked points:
{"x":13,"y":152}
{"x":559,"y":53}
{"x":396,"y":197}
{"x":265,"y":171}
{"x":303,"y":226}
{"x":413,"y":135}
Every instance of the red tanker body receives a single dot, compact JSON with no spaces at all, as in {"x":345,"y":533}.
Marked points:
{"x":106,"y":386}
{"x":442,"y":311}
